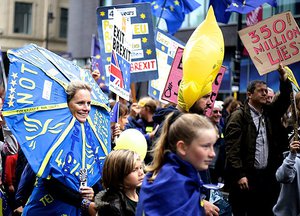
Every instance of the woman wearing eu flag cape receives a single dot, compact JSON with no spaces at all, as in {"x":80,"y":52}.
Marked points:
{"x":60,"y":118}
{"x":49,"y":195}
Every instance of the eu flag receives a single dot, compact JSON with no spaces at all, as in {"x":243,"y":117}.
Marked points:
{"x":246,"y":6}
{"x":173,"y":11}
{"x":219,"y":7}
{"x":114,"y":113}
{"x":96,"y":60}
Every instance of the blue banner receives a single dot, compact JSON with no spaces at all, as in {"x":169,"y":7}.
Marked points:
{"x":143,"y":55}
{"x":36,"y":111}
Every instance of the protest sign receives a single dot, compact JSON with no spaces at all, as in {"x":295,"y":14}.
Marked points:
{"x":166,"y":47}
{"x":143,"y":55}
{"x":271,"y":41}
{"x":119,"y":79}
{"x":215,"y":89}
{"x":170,"y":92}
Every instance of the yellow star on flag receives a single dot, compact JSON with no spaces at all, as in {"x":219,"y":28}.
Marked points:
{"x":176,"y":2}
{"x":12,"y":89}
{"x":13,"y":82}
{"x":108,"y":59}
{"x":144,"y":40}
{"x":102,"y":13}
{"x":149,"y":51}
{"x":11,"y":96}
{"x":143,"y":16}
{"x":10,"y":103}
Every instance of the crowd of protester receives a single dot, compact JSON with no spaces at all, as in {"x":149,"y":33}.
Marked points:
{"x":240,"y":145}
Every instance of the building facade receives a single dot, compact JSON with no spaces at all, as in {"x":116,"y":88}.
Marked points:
{"x":34,"y":21}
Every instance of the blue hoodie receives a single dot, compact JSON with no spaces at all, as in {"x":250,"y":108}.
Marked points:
{"x":175,"y":190}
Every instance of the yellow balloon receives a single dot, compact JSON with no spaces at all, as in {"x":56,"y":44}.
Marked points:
{"x":202,"y":58}
{"x":133,"y":140}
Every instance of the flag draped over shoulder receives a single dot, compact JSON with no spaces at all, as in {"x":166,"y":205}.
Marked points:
{"x":173,"y":11}
{"x":245,"y":6}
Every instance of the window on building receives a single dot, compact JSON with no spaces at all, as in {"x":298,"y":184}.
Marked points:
{"x":63,"y":30}
{"x":23,"y":18}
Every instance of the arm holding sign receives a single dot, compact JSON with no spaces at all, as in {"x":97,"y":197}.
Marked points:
{"x":282,"y":72}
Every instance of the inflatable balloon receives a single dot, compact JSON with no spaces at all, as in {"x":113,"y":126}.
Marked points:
{"x":133,"y":140}
{"x":202,"y":58}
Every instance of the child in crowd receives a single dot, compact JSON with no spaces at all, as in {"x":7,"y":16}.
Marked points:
{"x":172,"y":186}
{"x":122,"y":175}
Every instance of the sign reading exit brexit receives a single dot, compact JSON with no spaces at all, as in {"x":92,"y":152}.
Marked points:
{"x":271,"y":41}
{"x":143,"y":53}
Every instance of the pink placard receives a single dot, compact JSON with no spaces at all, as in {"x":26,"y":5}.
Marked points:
{"x":170,"y":92}
{"x":215,"y":89}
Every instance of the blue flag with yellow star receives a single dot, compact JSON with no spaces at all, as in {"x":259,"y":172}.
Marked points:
{"x":246,"y":6}
{"x":172,"y":11}
{"x":220,"y":7}
{"x":96,"y":61}
{"x":35,"y":109}
{"x":143,"y":55}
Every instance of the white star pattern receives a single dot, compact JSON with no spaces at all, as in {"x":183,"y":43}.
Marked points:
{"x":12,"y":90}
{"x":14,"y":75}
{"x":13,"y":82}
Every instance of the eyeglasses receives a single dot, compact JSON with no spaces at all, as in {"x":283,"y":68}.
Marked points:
{"x":217,"y":111}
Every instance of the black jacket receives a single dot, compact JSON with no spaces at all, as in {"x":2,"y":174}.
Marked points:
{"x":113,"y":203}
{"x":241,"y":134}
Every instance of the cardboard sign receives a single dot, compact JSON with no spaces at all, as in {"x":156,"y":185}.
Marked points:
{"x":166,"y":47}
{"x":170,"y":92}
{"x":119,"y":80}
{"x":271,"y":41}
{"x":215,"y":89}
{"x":143,"y":52}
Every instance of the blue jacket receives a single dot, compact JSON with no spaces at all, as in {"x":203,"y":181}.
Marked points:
{"x":42,"y":203}
{"x":175,"y":190}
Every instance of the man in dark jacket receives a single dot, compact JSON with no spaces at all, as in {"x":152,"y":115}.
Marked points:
{"x":253,"y":147}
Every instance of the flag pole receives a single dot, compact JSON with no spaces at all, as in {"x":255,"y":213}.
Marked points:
{"x":4,"y":79}
{"x":118,"y":108}
{"x":237,"y":61}
{"x":117,"y":101}
{"x":162,"y":9}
